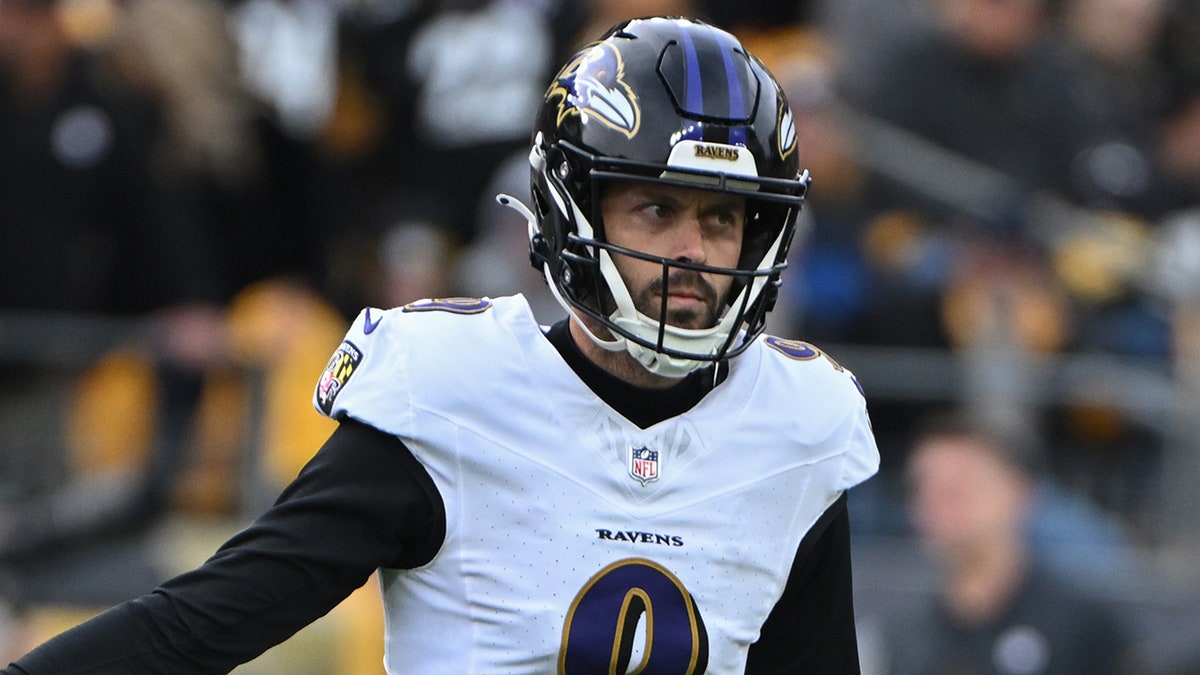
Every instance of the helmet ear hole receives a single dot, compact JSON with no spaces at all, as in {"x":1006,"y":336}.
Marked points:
{"x":540,"y":207}
{"x":580,"y":274}
{"x":539,"y":251}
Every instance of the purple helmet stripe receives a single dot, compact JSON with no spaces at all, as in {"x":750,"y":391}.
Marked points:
{"x":737,"y":108}
{"x":693,"y":83}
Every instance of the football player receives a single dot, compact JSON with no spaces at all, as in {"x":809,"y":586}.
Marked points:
{"x":651,"y":485}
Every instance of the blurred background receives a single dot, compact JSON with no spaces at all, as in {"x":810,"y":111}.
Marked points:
{"x":197,"y":195}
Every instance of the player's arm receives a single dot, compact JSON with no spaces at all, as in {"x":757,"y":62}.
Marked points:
{"x":811,"y":629}
{"x":363,"y":502}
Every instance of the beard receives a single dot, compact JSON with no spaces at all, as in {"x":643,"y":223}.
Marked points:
{"x":648,"y":300}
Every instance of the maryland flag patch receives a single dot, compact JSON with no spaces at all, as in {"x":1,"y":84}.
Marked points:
{"x":341,"y":366}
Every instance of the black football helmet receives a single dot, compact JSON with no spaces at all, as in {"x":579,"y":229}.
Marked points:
{"x":673,"y":101}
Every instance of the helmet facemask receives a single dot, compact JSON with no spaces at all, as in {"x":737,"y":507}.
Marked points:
{"x":585,"y":279}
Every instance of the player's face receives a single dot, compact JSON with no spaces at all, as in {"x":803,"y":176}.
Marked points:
{"x":679,"y":224}
{"x":963,"y":496}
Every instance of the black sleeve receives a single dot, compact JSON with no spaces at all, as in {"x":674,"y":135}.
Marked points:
{"x":363,"y":502}
{"x":811,"y":629}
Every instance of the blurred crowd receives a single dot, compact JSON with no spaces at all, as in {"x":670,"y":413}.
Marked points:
{"x":1012,"y":184}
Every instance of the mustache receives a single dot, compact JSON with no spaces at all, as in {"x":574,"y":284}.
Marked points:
{"x":690,"y":281}
{"x":680,"y":280}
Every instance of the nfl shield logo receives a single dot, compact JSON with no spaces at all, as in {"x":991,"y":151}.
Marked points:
{"x":643,"y":464}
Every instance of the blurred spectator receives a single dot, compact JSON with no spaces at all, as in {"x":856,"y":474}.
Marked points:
{"x":180,"y":53}
{"x":1013,"y":196}
{"x":243,"y":164}
{"x":993,"y":81}
{"x":1179,"y":142}
{"x":998,"y":608}
{"x":1103,"y":265}
{"x":1119,"y":40}
{"x":455,"y":80}
{"x":985,"y":109}
{"x":88,"y":224}
{"x":94,"y":228}
{"x":284,"y":219}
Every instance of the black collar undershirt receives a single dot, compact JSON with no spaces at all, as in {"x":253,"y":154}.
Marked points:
{"x":643,"y":407}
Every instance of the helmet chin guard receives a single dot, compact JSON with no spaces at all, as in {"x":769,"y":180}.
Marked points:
{"x":675,"y":102}
{"x":671,"y":351}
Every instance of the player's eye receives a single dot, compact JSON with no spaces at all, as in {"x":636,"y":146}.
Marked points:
{"x":727,"y":218}
{"x":724,"y":220}
{"x":656,"y":210}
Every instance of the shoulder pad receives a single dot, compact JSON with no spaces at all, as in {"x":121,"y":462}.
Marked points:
{"x":451,"y":305}
{"x":798,"y":350}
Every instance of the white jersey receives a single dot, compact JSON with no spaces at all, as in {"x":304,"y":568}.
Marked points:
{"x":574,"y":537}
